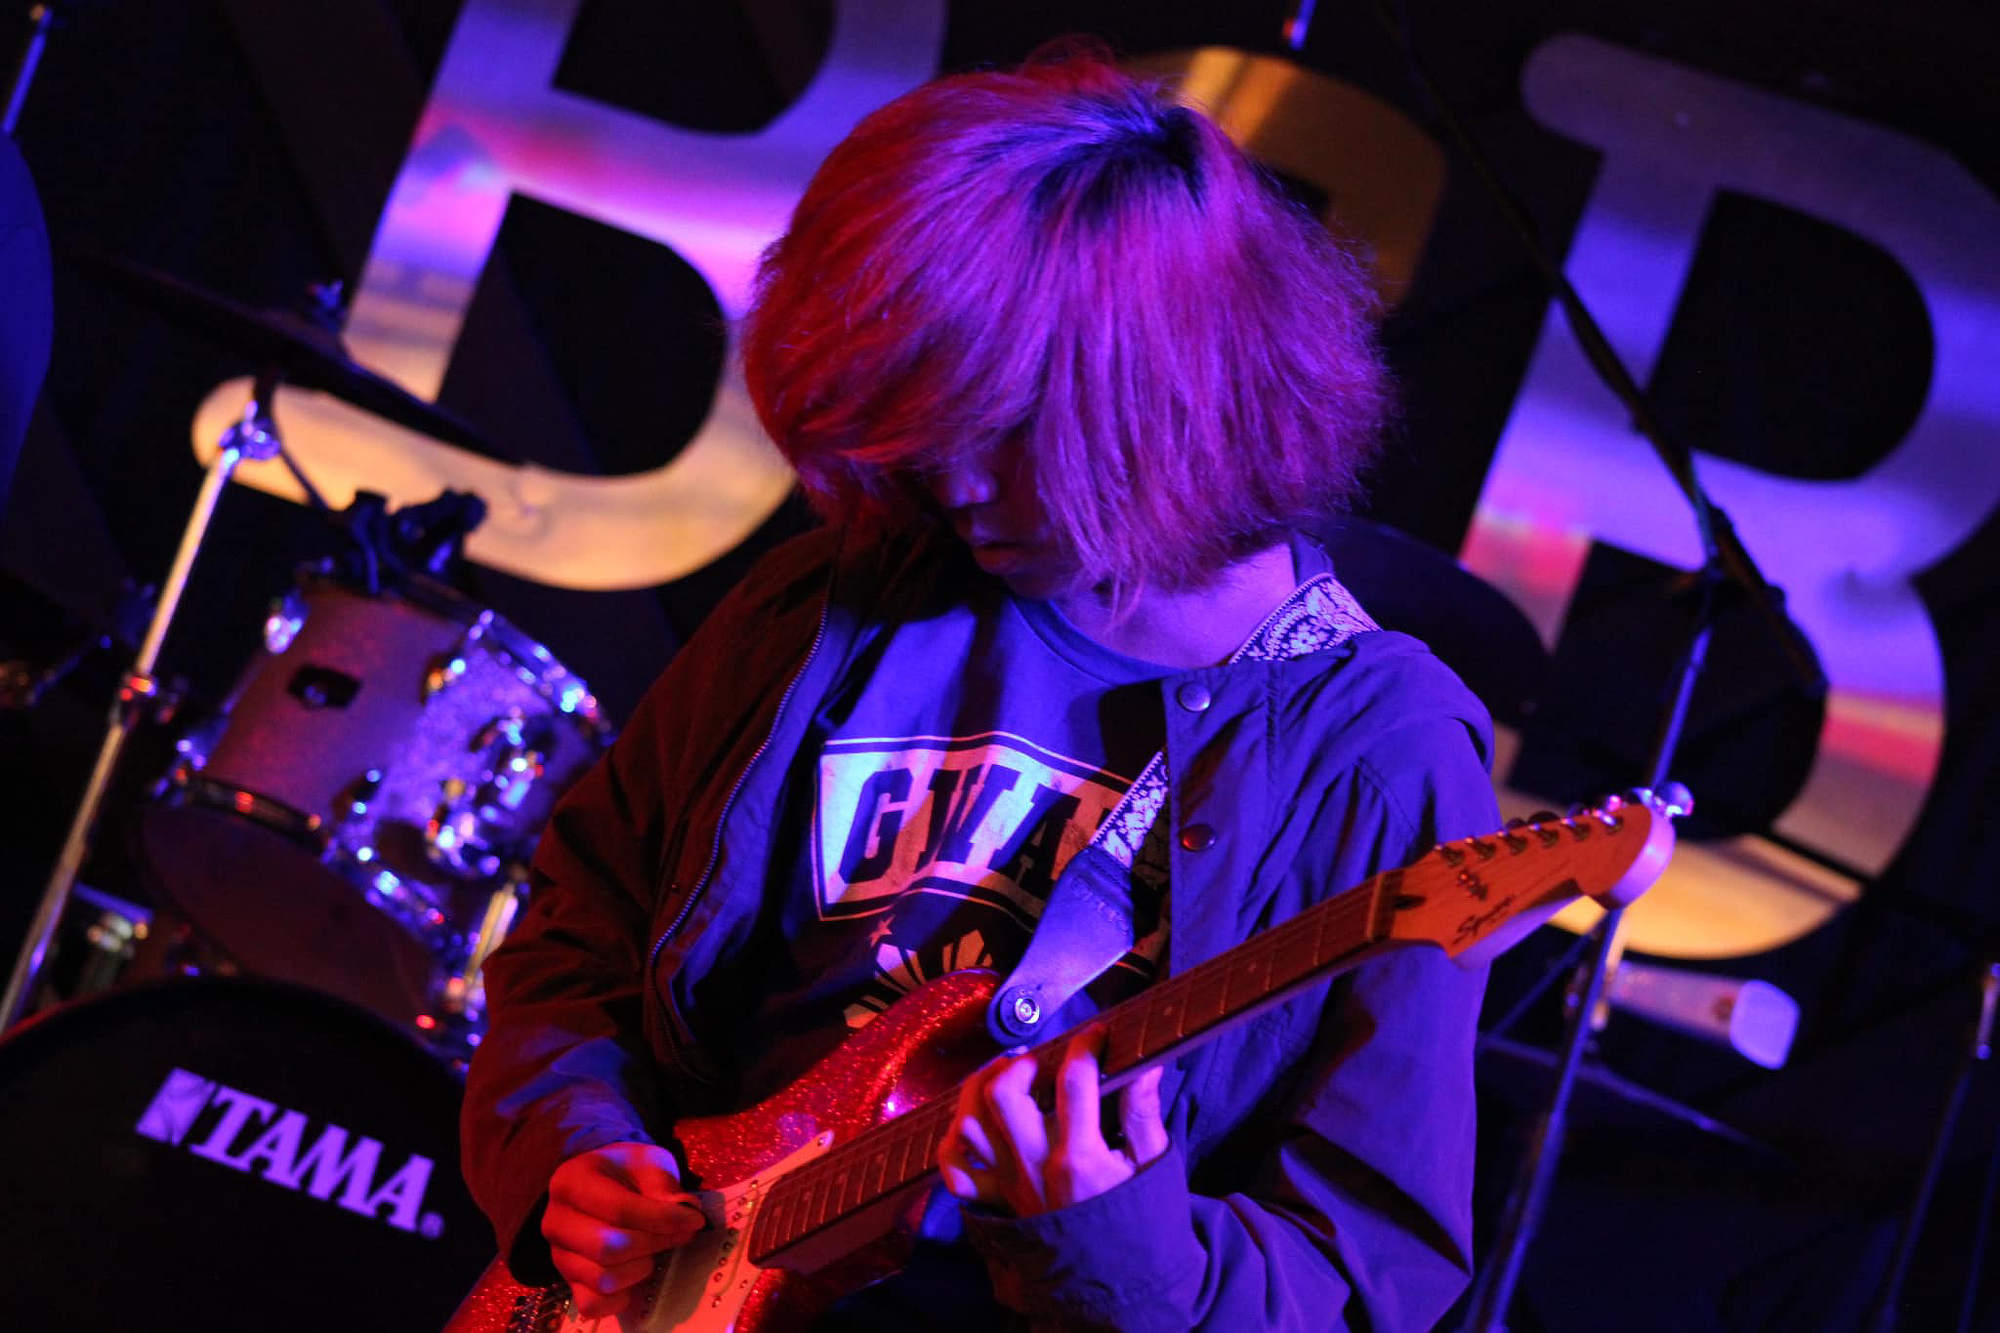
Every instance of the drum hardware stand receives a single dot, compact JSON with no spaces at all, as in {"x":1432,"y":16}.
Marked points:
{"x":253,"y":436}
{"x":461,"y":1001}
{"x":42,"y":19}
{"x":1882,"y":1314}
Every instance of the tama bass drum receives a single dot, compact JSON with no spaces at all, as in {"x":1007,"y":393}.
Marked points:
{"x":230,"y":1154}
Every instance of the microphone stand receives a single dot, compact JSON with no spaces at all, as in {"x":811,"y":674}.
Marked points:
{"x":253,"y":436}
{"x":1886,"y":1308}
{"x":1724,"y":559}
{"x":1493,"y":1290}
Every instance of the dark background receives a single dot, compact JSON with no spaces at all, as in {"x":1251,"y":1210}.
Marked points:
{"x":249,"y":148}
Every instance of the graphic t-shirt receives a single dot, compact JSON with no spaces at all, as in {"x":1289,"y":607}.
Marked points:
{"x":975,"y":755}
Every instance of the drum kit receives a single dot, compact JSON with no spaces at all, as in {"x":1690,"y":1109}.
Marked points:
{"x":336,"y":851}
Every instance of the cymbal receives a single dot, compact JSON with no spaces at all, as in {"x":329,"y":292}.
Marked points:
{"x":293,"y":347}
{"x":1473,"y":627}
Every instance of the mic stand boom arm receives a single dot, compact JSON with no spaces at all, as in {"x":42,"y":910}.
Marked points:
{"x":1723,"y":558}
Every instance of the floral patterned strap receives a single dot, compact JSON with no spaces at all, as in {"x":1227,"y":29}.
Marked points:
{"x":1319,"y":614}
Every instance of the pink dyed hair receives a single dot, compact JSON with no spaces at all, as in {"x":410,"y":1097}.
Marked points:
{"x":1062,"y":259}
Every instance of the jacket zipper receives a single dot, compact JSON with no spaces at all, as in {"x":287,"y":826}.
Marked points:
{"x":715,"y":842}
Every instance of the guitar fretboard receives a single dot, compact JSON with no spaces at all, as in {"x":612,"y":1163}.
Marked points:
{"x":1154,"y":1025}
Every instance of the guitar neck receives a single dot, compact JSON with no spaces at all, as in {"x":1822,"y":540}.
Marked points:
{"x":1178,"y":1013}
{"x":1470,"y":897}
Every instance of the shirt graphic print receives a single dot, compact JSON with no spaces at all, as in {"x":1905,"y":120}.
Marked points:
{"x":954,"y":843}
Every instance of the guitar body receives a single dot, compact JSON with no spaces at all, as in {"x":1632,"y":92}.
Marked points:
{"x":919,"y":1048}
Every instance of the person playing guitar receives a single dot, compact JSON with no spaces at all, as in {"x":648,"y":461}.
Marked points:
{"x":1068,"y":378}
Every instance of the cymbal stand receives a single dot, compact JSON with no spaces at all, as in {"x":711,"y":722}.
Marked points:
{"x":1886,"y":1309}
{"x":41,"y":19}
{"x":253,"y":436}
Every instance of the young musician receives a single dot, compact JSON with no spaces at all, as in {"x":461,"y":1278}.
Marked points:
{"x":1067,"y":378}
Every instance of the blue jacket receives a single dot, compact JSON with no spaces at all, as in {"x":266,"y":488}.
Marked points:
{"x":1323,"y":1152}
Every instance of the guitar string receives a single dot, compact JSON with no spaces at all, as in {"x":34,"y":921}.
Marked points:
{"x":791,"y":1197}
{"x":801,"y":1184}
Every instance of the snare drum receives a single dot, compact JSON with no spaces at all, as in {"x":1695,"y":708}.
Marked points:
{"x":376,"y":785}
{"x":230,"y":1154}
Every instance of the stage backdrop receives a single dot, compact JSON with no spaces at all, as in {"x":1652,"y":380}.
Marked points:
{"x":545,"y":215}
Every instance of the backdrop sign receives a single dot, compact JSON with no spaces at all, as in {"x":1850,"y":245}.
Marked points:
{"x":495,"y":126}
{"x":1569,"y":468}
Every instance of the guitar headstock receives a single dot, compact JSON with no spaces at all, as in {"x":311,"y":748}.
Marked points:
{"x":1477,"y":897}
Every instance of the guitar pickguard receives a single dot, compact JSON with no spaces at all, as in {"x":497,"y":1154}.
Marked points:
{"x":709,"y":1285}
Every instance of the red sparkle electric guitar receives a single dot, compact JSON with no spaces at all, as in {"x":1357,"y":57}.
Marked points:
{"x":804,"y":1191}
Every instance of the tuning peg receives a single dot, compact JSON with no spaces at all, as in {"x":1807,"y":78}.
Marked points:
{"x":1676,"y":800}
{"x":1673,"y":799}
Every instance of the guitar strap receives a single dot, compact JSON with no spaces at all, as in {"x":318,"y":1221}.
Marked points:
{"x":1087,"y":924}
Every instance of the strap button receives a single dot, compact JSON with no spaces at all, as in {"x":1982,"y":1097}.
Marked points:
{"x":1197,"y":837}
{"x":1194,"y":697}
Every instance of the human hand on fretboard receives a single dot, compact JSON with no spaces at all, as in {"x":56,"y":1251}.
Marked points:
{"x":1006,"y":1152}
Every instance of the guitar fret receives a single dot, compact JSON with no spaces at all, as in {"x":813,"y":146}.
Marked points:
{"x":837,"y":1190}
{"x":1306,"y":948}
{"x":1158,"y":1006}
{"x":795,"y":1215}
{"x":828,"y":1195}
{"x":1247,"y":982}
{"x":895,"y":1151}
{"x":1312,"y":936}
{"x":908,"y":1131}
{"x":810,"y":1216}
{"x":1343,"y":930}
{"x":1324,"y":928}
{"x":878,"y":1163}
{"x":775,"y":1218}
{"x":1205,"y":1001}
{"x":1285,"y":958}
{"x":1123,"y":1047}
{"x":1173,"y":1009}
{"x":826,"y":1199}
{"x":932,"y":1130}
{"x":797,"y":1220}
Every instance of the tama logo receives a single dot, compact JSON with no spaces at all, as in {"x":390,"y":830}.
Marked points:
{"x":249,"y":1134}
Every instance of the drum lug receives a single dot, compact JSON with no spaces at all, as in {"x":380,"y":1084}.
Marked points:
{"x":353,"y":801}
{"x":444,"y":672}
{"x":456,"y":838}
{"x":469,"y":828}
{"x":286,"y":618}
{"x":405,"y":901}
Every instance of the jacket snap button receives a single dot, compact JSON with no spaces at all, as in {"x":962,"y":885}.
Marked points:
{"x":1193,"y":697}
{"x":1197,"y":837}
